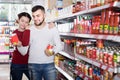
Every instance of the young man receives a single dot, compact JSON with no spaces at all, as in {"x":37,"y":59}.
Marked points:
{"x":41,"y":60}
{"x":19,"y":64}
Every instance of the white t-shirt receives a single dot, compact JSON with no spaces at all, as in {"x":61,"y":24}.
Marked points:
{"x":39,"y":40}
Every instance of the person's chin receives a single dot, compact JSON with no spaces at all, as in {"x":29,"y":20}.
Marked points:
{"x":37,"y":24}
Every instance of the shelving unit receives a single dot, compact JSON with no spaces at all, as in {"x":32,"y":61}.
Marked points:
{"x":93,"y":10}
{"x":114,"y":38}
{"x":4,"y":57}
{"x":64,"y":73}
{"x":5,"y":50}
{"x":67,"y":55}
{"x":95,"y":36}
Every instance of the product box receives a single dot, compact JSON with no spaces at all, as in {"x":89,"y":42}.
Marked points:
{"x":59,"y":3}
{"x":14,"y":39}
{"x":51,"y":4}
{"x":67,"y":3}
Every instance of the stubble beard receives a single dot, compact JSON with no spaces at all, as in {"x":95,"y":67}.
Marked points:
{"x":40,"y":23}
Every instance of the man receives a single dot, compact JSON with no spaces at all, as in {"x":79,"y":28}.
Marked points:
{"x":41,"y":60}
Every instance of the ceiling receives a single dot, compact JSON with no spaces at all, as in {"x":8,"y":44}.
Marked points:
{"x":16,"y":1}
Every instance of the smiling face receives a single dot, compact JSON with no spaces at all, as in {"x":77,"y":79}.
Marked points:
{"x":38,"y":17}
{"x":23,"y":22}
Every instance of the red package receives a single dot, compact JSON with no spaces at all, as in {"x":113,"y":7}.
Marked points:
{"x":14,"y":39}
{"x":49,"y":46}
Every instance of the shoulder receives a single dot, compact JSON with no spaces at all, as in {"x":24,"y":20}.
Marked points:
{"x":32,"y":27}
{"x":15,"y":31}
{"x":51,"y":26}
{"x":27,"y":30}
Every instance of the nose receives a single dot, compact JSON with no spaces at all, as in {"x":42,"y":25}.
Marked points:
{"x":35,"y":18}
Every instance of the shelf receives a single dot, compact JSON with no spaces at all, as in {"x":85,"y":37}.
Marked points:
{"x":4,"y":53}
{"x":4,"y":35}
{"x":93,"y":10}
{"x":64,"y":73}
{"x":85,"y":77}
{"x":4,"y":58}
{"x":95,"y":36}
{"x":98,"y":64}
{"x":66,"y":55}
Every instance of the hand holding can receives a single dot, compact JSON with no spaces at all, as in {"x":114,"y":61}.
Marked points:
{"x":49,"y":50}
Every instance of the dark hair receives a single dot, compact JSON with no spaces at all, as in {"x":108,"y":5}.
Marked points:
{"x":24,"y":14}
{"x":37,"y":7}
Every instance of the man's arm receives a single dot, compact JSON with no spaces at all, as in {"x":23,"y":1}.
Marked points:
{"x":57,"y":41}
{"x":23,"y":49}
{"x":57,"y":45}
{"x":51,"y":25}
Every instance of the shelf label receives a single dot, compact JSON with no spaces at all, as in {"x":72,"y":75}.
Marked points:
{"x":114,"y":38}
{"x":111,"y":70}
{"x":96,"y":64}
{"x":118,"y":39}
{"x":104,"y":67}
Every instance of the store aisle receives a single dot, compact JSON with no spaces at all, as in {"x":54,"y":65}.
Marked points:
{"x":4,"y":71}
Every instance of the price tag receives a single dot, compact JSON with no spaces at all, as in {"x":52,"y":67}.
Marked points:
{"x":118,"y":39}
{"x":96,"y":36}
{"x":109,"y":37}
{"x":104,"y":67}
{"x":114,"y":38}
{"x":96,"y":64}
{"x":100,"y":37}
{"x":88,"y":60}
{"x":111,"y":70}
{"x":104,"y":37}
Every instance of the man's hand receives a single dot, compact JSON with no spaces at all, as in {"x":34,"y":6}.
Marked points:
{"x":49,"y":52}
{"x":51,"y":25}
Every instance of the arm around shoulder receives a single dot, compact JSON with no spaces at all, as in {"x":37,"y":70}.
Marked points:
{"x":23,"y":50}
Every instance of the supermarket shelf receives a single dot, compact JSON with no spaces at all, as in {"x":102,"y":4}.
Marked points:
{"x":96,"y":36}
{"x":82,"y":75}
{"x":1,"y":35}
{"x":1,"y":53}
{"x":66,"y":55}
{"x":98,"y":64}
{"x":4,"y":58}
{"x":64,"y":73}
{"x":93,"y":10}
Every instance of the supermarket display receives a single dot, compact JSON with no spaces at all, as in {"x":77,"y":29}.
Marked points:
{"x":5,"y":46}
{"x":90,"y":35}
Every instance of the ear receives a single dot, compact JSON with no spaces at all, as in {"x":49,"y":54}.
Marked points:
{"x":17,"y":21}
